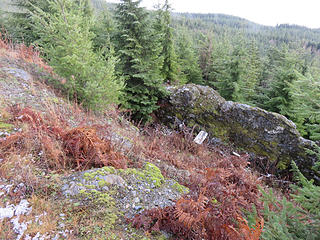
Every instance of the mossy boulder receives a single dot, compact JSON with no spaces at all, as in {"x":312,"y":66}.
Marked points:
{"x":258,"y":131}
{"x":133,"y":190}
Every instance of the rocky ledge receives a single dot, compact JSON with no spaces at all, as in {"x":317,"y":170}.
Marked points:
{"x":260,"y":132}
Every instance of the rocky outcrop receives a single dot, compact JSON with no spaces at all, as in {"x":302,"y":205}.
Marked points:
{"x":133,"y":190}
{"x":258,"y":131}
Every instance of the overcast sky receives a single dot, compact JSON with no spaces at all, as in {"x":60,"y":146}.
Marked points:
{"x":266,"y":12}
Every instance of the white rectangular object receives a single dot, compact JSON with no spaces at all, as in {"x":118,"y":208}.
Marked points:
{"x":200,"y":137}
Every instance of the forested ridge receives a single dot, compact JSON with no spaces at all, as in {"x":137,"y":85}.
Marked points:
{"x":117,"y":62}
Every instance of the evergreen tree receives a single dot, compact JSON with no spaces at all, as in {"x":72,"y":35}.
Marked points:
{"x":85,"y":7}
{"x":228,"y":70}
{"x":305,"y":108}
{"x":140,"y":64}
{"x":169,"y":68}
{"x":296,"y":219}
{"x":104,"y":29}
{"x":250,"y":70}
{"x":281,"y":73}
{"x":66,"y":38}
{"x":189,"y":71}
{"x":20,"y":25}
{"x":218,"y":75}
{"x":232,"y":69}
{"x":205,"y":56}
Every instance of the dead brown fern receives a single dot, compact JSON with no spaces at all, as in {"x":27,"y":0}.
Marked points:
{"x":212,"y":210}
{"x":88,"y":150}
{"x":21,"y":52}
{"x":59,"y":146}
{"x":246,"y":232}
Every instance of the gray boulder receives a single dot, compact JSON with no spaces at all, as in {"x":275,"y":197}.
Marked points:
{"x":258,"y":131}
{"x":133,"y":190}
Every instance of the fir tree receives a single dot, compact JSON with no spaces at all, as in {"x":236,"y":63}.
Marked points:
{"x":218,"y":75}
{"x":169,"y":68}
{"x":140,"y":64}
{"x":305,"y":108}
{"x":20,"y":25}
{"x":228,"y":76}
{"x":250,"y":70}
{"x":205,"y":57}
{"x":298,"y":219}
{"x":66,"y":38}
{"x":280,"y":71}
{"x":189,"y":71}
{"x":104,"y":29}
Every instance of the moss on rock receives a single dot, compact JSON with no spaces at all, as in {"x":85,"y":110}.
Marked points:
{"x":258,"y":131}
{"x":180,"y":188}
{"x":6,"y":126}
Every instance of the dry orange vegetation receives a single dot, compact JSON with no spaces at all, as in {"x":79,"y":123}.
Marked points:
{"x":21,"y":52}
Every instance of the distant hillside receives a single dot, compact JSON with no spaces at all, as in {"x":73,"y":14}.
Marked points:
{"x":221,"y":24}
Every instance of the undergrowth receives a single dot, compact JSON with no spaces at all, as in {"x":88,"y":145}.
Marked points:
{"x":57,"y":145}
{"x":222,"y":188}
{"x":21,"y":51}
{"x":295,"y":218}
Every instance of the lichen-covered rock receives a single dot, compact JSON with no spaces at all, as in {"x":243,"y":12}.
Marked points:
{"x":256,"y":130}
{"x":133,"y":190}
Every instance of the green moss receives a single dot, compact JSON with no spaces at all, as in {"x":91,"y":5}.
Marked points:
{"x":207,"y":116}
{"x":102,"y":183}
{"x":180,"y":188}
{"x":131,"y":171}
{"x":101,"y":210}
{"x":109,"y":170}
{"x":6,"y":126}
{"x":162,"y":237}
{"x":150,"y":173}
{"x":179,"y":116}
{"x":54,"y":100}
{"x":153,"y":174}
{"x":214,"y":201}
{"x":89,"y":175}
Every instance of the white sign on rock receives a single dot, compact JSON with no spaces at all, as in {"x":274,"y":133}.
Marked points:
{"x":200,"y":137}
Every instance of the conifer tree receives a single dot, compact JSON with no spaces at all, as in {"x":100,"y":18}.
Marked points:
{"x":169,"y":68}
{"x":66,"y":39}
{"x":250,"y":70}
{"x":296,"y":219}
{"x":189,"y":71}
{"x":281,"y":73}
{"x":104,"y":29}
{"x":218,"y":75}
{"x":140,"y":64}
{"x":20,"y":25}
{"x":230,"y":75}
{"x":305,"y":108}
{"x":205,"y":56}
